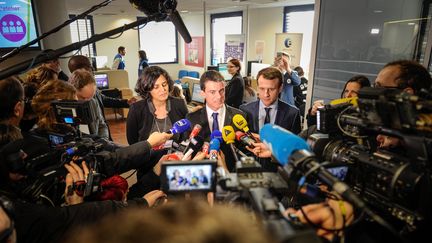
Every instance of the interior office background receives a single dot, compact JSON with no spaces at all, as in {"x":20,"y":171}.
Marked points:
{"x":349,"y":37}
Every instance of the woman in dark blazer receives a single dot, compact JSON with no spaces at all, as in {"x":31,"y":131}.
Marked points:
{"x":235,"y":87}
{"x":157,"y":111}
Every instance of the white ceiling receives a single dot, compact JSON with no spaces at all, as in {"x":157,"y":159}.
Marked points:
{"x":123,"y":7}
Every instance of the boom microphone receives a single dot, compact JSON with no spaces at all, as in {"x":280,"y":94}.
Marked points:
{"x":151,"y":7}
{"x":282,"y":143}
{"x":241,"y":123}
{"x":285,"y":146}
{"x":180,"y":126}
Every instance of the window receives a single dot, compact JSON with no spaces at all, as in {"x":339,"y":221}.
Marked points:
{"x":221,"y":25}
{"x":159,"y":41}
{"x":82,"y":29}
{"x":299,"y":19}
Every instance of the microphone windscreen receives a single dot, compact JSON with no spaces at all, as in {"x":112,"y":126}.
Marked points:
{"x":240,"y":122}
{"x":228,"y":134}
{"x":239,"y":135}
{"x":196,"y":129}
{"x":180,"y":26}
{"x":216,"y":134}
{"x":214,"y":144}
{"x":282,"y":143}
{"x":180,"y":126}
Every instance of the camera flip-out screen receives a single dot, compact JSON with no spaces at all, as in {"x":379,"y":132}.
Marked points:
{"x":181,"y":176}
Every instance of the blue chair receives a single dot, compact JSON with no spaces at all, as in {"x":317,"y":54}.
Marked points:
{"x":181,"y":74}
{"x":193,"y":74}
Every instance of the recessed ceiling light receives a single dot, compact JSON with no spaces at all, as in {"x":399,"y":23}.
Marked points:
{"x":411,"y":23}
{"x":184,"y":11}
{"x":377,"y":11}
{"x":374,"y":31}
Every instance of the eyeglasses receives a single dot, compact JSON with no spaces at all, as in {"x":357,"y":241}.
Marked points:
{"x":230,"y":66}
{"x":378,"y":85}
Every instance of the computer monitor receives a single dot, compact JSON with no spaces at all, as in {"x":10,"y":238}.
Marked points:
{"x":102,"y":80}
{"x":212,"y":68}
{"x":223,"y":69}
{"x":196,"y":93}
{"x":249,"y":67}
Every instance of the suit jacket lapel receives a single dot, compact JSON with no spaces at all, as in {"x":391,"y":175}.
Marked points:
{"x":228,"y":117}
{"x":255,"y":118}
{"x":279,"y":114}
{"x":205,"y":124}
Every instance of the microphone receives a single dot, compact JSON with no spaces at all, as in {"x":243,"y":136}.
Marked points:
{"x":282,"y":143}
{"x":228,"y":136}
{"x":241,"y":123}
{"x":214,"y":148}
{"x":194,"y":146}
{"x":285,"y":146}
{"x":195,"y":130}
{"x":245,"y":139}
{"x":216,"y":134}
{"x":180,"y":126}
{"x":151,"y":7}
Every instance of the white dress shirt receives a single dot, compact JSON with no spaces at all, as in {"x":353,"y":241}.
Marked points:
{"x":221,"y":117}
{"x":262,"y":113}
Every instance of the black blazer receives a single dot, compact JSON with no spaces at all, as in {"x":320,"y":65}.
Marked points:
{"x":234,"y":91}
{"x":287,"y":116}
{"x":200,"y":117}
{"x":140,"y":119}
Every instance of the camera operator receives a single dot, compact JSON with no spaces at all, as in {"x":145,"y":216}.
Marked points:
{"x":37,"y":222}
{"x":409,"y":76}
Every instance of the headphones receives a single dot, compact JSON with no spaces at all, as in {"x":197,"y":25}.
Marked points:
{"x":8,"y":207}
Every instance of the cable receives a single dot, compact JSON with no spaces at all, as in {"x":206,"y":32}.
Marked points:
{"x":120,"y":34}
{"x":340,"y":127}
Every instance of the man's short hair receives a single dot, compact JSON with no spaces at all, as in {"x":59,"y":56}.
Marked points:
{"x":271,"y":73}
{"x":120,"y":49}
{"x":78,"y":62}
{"x":210,"y":75}
{"x":80,"y":78}
{"x":412,"y":75}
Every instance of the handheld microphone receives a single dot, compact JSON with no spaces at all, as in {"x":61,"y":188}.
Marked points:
{"x":180,"y":126}
{"x":285,"y":146}
{"x":216,"y":134}
{"x":151,"y":7}
{"x":282,"y":143}
{"x":241,"y":123}
{"x":195,"y":130}
{"x":214,"y":148}
{"x":194,"y":146}
{"x":245,"y":139}
{"x":228,"y":136}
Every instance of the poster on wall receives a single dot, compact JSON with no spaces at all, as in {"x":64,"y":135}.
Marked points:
{"x":194,"y":52}
{"x":259,"y":49}
{"x":291,"y":43}
{"x":234,"y":47}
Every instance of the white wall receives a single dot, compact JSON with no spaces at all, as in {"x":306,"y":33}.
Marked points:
{"x":263,"y":24}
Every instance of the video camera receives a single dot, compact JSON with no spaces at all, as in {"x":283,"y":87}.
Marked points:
{"x":396,"y":182}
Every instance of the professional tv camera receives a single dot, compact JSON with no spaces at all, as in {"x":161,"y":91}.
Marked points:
{"x":396,"y":183}
{"x":257,"y":190}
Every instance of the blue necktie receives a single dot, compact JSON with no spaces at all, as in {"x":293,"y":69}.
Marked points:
{"x":267,"y":116}
{"x":215,"y":121}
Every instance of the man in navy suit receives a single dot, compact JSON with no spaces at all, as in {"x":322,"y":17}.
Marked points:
{"x":215,"y":114}
{"x":269,"y":108}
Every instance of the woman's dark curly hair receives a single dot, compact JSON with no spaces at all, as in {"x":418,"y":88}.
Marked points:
{"x":147,"y":80}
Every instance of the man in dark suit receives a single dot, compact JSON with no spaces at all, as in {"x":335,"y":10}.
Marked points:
{"x":269,"y":108}
{"x":215,"y":114}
